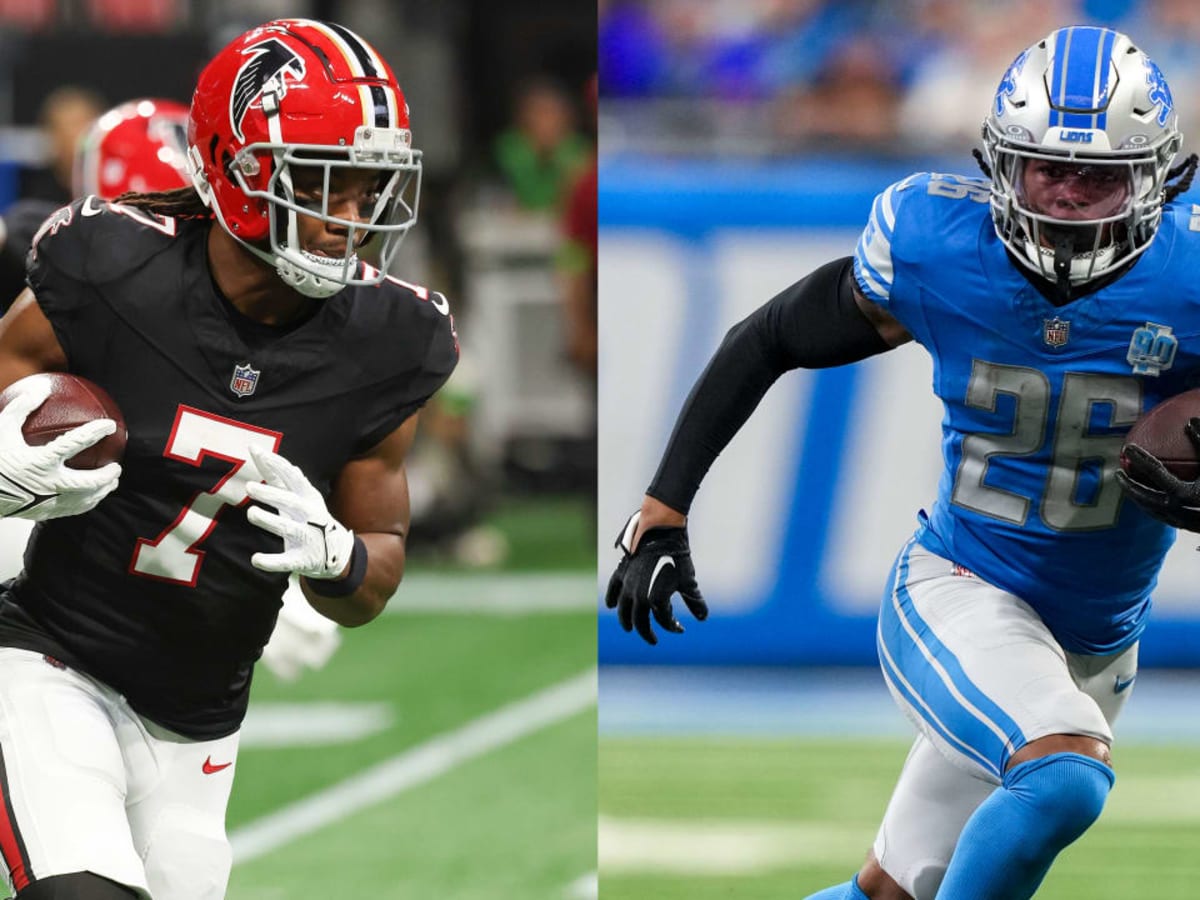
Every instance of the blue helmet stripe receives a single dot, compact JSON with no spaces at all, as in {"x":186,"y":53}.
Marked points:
{"x":1080,"y":76}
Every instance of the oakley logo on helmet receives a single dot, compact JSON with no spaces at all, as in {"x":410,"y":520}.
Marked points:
{"x":269,"y":61}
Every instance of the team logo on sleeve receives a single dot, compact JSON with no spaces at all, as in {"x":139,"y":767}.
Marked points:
{"x":58,"y":219}
{"x":245,"y":379}
{"x":1056,"y":331}
{"x":269,"y":61}
{"x":1152,"y":349}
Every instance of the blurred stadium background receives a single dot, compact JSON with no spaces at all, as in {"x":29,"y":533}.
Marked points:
{"x":448,"y":750}
{"x":741,"y":143}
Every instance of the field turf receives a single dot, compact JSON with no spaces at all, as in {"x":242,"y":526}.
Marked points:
{"x":705,"y":818}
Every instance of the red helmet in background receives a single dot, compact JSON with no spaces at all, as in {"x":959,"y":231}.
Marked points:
{"x":137,"y":146}
{"x":300,"y":93}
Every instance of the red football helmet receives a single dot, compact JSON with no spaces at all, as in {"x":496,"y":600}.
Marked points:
{"x":292,"y":95}
{"x":137,"y":146}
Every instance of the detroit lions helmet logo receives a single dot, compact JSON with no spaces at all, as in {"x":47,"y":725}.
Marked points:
{"x":269,"y":61}
{"x":1160,"y":94}
{"x":1008,"y":84}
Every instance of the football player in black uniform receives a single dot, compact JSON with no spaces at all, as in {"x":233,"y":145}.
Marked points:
{"x":270,"y":381}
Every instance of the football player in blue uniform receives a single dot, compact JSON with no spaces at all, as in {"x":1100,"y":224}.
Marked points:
{"x":270,"y":381}
{"x":1058,"y":301}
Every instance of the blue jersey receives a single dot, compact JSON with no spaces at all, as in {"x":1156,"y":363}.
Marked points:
{"x":1037,"y":401}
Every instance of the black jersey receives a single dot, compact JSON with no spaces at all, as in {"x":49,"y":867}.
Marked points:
{"x":152,"y":592}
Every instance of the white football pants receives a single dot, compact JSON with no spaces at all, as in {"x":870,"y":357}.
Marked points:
{"x":89,"y":785}
{"x":980,"y":676}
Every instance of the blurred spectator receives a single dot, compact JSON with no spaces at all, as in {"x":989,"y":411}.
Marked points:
{"x":853,"y":101}
{"x":65,"y":114}
{"x":577,"y":264}
{"x":960,"y":72}
{"x":542,"y":151}
{"x":632,"y":48}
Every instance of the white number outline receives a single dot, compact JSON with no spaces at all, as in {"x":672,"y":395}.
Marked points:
{"x":200,"y":513}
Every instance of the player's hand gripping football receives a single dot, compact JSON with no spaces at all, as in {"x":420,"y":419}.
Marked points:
{"x":647,"y":576}
{"x":35,"y":482}
{"x":1162,"y":494}
{"x":315,"y":544}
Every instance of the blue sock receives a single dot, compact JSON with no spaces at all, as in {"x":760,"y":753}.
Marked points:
{"x":1009,"y":843}
{"x":847,"y":891}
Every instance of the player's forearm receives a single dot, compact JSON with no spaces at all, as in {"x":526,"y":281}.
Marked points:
{"x":385,"y":568}
{"x":728,"y":391}
{"x":815,"y":323}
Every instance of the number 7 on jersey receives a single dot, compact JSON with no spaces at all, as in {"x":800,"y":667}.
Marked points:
{"x":174,"y":555}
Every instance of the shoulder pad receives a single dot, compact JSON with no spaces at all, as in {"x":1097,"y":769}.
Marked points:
{"x":436,"y":300}
{"x":911,"y":219}
{"x":94,"y":240}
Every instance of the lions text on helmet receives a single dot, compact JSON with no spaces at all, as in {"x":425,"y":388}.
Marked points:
{"x":299,"y":129}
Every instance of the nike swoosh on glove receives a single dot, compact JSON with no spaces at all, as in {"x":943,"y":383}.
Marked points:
{"x":35,"y":482}
{"x":644,"y":580}
{"x":315,"y":544}
{"x":1157,"y":490}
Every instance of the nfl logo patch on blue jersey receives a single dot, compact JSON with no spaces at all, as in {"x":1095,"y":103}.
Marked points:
{"x":1056,"y":331}
{"x":245,"y":380}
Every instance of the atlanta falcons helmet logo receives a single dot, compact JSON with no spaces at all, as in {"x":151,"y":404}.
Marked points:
{"x":269,"y":60}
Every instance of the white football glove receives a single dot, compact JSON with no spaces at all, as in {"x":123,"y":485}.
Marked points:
{"x":35,"y":482}
{"x":302,"y":639}
{"x":315,"y":544}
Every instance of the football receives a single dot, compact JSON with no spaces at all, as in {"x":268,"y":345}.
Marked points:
{"x":73,"y":401}
{"x":1161,"y":432}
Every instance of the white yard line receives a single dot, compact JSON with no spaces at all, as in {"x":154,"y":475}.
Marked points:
{"x":496,"y":593}
{"x":724,"y":847}
{"x":415,"y":767}
{"x":585,"y":887}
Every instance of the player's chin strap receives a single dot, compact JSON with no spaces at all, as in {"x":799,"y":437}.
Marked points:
{"x":1064,"y":255}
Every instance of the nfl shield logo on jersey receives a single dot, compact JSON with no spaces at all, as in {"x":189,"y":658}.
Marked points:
{"x":245,"y":380}
{"x":1056,"y":331}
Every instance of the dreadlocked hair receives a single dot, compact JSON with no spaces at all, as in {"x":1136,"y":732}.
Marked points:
{"x":180,"y":203}
{"x":1185,"y":172}
{"x":978,"y":154}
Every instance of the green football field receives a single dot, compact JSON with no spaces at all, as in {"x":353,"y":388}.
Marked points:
{"x":704,"y":818}
{"x":440,"y":800}
{"x":449,"y":748}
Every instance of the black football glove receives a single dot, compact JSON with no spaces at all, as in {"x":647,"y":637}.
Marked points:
{"x":1158,"y":491}
{"x":645,"y":580}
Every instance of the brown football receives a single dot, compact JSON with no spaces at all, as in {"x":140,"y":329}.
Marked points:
{"x":1161,"y":432}
{"x":73,"y":401}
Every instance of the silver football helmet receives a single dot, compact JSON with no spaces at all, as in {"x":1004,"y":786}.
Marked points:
{"x":1079,"y":141}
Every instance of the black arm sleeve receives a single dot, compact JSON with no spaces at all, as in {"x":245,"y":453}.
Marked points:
{"x":813,"y":324}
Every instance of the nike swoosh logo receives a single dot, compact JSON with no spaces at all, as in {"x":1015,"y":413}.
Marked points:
{"x":663,"y":561}
{"x":92,"y":206}
{"x":209,"y":768}
{"x":1122,"y":684}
